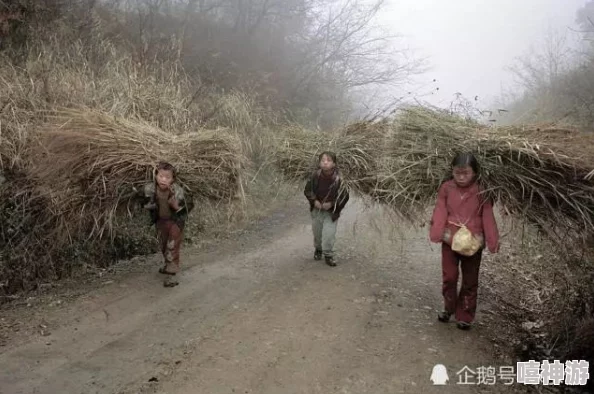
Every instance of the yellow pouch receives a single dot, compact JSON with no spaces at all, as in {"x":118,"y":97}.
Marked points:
{"x":465,"y":243}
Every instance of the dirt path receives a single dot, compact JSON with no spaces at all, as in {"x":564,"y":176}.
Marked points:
{"x":256,"y":314}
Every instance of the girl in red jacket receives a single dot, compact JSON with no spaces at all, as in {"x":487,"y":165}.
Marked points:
{"x":459,"y":202}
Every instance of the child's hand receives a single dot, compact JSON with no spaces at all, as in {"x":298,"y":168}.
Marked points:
{"x":447,"y":237}
{"x":496,"y":250}
{"x":326,"y":206}
{"x":318,"y":205}
{"x":173,"y":203}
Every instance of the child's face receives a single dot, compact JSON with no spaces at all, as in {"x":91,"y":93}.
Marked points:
{"x":164,"y":179}
{"x":463,"y":175}
{"x":326,"y":163}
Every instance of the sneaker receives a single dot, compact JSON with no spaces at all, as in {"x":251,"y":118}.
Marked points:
{"x":330,"y":261}
{"x":463,"y":325}
{"x":444,"y":316}
{"x":318,"y":255}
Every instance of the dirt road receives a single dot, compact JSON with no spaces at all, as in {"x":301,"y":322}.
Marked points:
{"x":256,"y":314}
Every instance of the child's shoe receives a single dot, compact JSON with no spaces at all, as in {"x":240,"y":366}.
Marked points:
{"x":318,"y":255}
{"x":170,"y":281}
{"x":330,"y":261}
{"x":444,"y":316}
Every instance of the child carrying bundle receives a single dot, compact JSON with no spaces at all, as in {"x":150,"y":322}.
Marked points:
{"x":327,"y":198}
{"x":464,"y":223}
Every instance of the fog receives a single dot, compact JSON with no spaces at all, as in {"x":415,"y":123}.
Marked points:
{"x":470,"y":43}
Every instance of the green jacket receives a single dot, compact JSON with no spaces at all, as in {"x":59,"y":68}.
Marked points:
{"x":185,"y":202}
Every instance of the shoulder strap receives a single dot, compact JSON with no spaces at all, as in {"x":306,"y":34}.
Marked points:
{"x":337,"y":176}
{"x":149,"y":189}
{"x":178,"y":192}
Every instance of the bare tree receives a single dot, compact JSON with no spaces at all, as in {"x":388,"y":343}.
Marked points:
{"x":308,"y":56}
{"x":539,"y":68}
{"x":346,"y":43}
{"x":544,"y":92}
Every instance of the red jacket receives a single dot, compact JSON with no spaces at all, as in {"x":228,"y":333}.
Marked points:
{"x":464,"y":206}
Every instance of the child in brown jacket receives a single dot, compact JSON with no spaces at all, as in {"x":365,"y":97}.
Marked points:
{"x":169,"y":207}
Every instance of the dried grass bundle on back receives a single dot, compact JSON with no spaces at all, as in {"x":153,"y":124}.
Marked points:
{"x":359,"y":149}
{"x":90,"y":165}
{"x":414,"y":164}
{"x":378,"y":159}
{"x":539,"y":175}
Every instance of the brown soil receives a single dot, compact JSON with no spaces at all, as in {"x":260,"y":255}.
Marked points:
{"x":254,"y":314}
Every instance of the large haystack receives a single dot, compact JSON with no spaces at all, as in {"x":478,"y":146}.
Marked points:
{"x":84,"y":172}
{"x":543,"y":175}
{"x":526,"y":170}
{"x":90,"y":164}
{"x":358,"y":146}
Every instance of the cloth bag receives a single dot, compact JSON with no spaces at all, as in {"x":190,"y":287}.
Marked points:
{"x":464,"y":242}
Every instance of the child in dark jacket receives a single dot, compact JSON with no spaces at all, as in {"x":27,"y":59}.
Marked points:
{"x":327,"y":198}
{"x":169,"y":207}
{"x":460,"y":202}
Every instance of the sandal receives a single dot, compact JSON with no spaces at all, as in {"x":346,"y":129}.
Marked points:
{"x":463,"y":325}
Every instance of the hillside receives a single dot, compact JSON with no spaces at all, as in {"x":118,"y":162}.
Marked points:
{"x":179,"y":67}
{"x":94,"y":93}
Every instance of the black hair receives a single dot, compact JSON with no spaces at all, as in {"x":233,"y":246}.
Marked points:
{"x":331,"y":155}
{"x":163,"y":165}
{"x":466,"y":159}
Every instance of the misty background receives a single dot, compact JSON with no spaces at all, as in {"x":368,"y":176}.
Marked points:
{"x":471,"y":47}
{"x":322,"y":63}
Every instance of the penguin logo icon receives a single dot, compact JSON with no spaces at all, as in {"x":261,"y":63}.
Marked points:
{"x":439,"y":376}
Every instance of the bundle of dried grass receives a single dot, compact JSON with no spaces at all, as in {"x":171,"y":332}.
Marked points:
{"x":89,"y":165}
{"x":358,"y":147}
{"x":541,"y":175}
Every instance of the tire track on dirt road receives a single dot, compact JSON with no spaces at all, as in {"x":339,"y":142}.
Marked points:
{"x":258,"y":315}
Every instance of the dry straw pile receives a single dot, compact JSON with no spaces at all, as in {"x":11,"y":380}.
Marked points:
{"x":89,"y":164}
{"x":541,"y":174}
{"x":84,"y":172}
{"x":359,"y":147}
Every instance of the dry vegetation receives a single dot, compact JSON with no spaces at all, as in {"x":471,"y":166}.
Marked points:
{"x":538,"y":299}
{"x":546,"y":287}
{"x":93,"y":94}
{"x":555,"y":77}
{"x":541,"y":174}
{"x":541,"y":180}
{"x":82,"y":123}
{"x":85,"y":114}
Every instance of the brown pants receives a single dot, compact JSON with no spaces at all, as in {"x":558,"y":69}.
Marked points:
{"x":463,"y":304}
{"x":170,"y":237}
